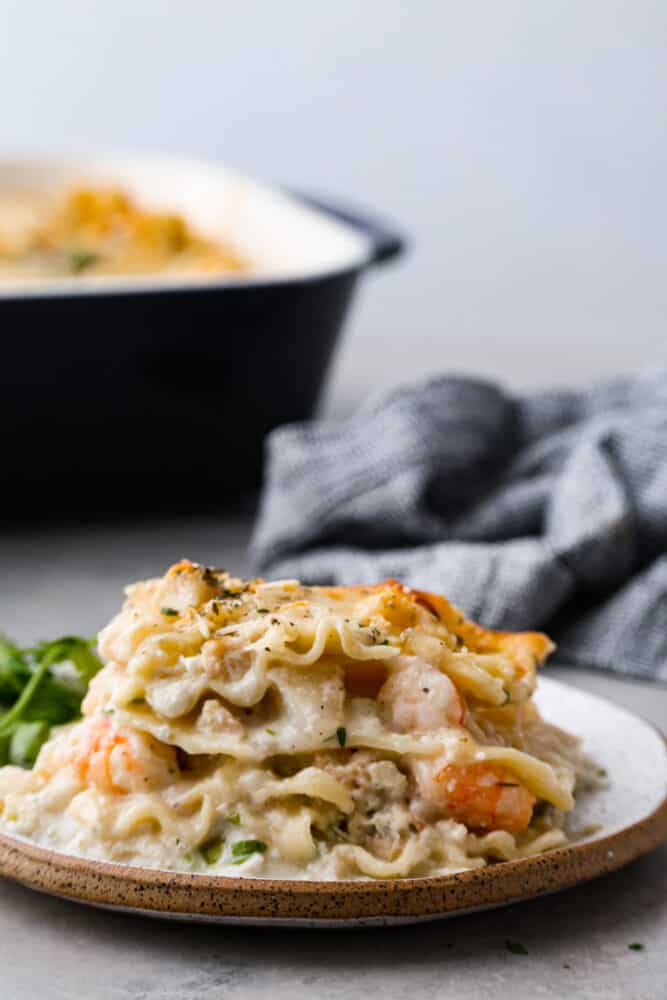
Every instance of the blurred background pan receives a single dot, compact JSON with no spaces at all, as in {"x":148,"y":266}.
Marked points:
{"x":155,"y":392}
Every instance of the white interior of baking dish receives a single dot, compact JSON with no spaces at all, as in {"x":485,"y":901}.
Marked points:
{"x":279,"y":236}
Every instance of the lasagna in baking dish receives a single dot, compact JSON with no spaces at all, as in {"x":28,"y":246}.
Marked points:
{"x":101,"y":232}
{"x":272,"y":729}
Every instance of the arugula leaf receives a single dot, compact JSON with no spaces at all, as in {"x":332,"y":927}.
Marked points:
{"x":74,"y":649}
{"x":14,"y":670}
{"x":35,"y":698}
{"x":27,"y":741}
{"x":54,"y":702}
{"x":10,"y":719}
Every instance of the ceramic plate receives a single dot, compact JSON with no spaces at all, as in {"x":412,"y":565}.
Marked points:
{"x":630,"y":816}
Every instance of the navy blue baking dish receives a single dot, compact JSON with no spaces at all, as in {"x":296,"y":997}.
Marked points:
{"x":136,"y":394}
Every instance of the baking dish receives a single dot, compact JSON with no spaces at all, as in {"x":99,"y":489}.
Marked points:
{"x":131,"y":393}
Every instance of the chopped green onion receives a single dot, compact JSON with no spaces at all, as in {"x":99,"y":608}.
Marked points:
{"x":169,"y":612}
{"x":341,"y":734}
{"x":244,"y":849}
{"x":212,"y":850}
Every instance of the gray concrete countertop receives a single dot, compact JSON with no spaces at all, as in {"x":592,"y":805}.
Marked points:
{"x":577,"y":941}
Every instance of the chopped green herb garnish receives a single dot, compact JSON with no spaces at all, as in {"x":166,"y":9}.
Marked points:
{"x":262,"y":611}
{"x":244,"y":849}
{"x":169,"y":612}
{"x":235,"y":819}
{"x":212,"y":850}
{"x":508,"y":696}
{"x":516,"y":947}
{"x":341,"y":734}
{"x":271,"y":732}
{"x":636,"y":946}
{"x":138,"y":701}
{"x":79,"y":260}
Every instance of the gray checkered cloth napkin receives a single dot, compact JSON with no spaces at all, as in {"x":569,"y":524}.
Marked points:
{"x":547,"y":510}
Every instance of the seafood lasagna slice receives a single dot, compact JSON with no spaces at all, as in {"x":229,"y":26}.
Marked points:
{"x":275,"y":729}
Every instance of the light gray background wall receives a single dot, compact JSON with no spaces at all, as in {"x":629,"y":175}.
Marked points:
{"x":521,"y":143}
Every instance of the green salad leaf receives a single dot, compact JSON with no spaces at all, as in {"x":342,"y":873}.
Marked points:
{"x":14,"y":671}
{"x":34,"y":697}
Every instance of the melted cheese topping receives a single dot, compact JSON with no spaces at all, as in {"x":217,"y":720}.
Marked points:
{"x":308,"y":732}
{"x":101,"y":231}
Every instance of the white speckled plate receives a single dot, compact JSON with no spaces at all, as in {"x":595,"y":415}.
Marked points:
{"x":630,"y":815}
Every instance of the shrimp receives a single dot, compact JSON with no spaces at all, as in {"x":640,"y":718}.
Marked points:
{"x":482,"y":796}
{"x":419,"y":698}
{"x":112,"y":759}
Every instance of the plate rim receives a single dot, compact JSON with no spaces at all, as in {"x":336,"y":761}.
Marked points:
{"x":154,"y":891}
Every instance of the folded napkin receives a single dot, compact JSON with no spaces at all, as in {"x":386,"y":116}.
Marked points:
{"x":546,"y":510}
